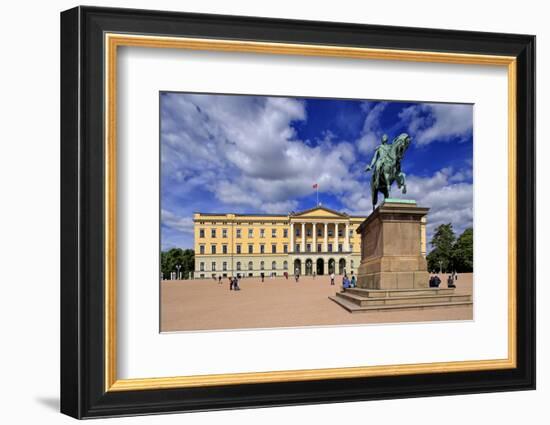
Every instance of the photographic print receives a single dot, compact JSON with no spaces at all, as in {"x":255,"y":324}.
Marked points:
{"x":292,"y":212}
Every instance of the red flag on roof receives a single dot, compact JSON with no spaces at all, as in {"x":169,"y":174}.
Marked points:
{"x":315,"y":186}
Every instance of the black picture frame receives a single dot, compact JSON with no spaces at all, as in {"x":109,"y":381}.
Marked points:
{"x":83,"y":392}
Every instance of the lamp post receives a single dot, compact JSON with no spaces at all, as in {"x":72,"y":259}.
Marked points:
{"x":178,"y":266}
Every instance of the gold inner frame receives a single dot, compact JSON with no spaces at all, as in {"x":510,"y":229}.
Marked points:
{"x":113,"y":41}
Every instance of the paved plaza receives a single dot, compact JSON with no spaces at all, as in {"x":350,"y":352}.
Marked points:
{"x":203,"y":304}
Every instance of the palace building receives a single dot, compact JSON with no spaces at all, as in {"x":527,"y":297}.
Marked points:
{"x":318,"y":240}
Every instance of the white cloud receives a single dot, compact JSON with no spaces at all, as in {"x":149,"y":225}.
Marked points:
{"x":244,"y":150}
{"x":173,"y":221}
{"x":448,"y":196}
{"x":442,"y":122}
{"x":371,"y":132}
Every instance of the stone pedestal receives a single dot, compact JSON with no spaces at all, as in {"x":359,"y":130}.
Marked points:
{"x":391,"y":253}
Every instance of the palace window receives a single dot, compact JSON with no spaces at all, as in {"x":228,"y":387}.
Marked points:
{"x":250,"y":249}
{"x":213,"y":266}
{"x":351,"y":232}
{"x":224,"y":266}
{"x":201,"y":233}
{"x":297,"y":247}
{"x":297,"y":232}
{"x":285,"y":249}
{"x":340,"y":232}
{"x":201,"y":249}
{"x":285,"y":265}
{"x":250,"y":233}
{"x":273,"y":248}
{"x":238,"y":249}
{"x":238,"y":265}
{"x":351,"y":247}
{"x":285,"y":233}
{"x":273,"y":265}
{"x":262,"y":233}
{"x":330,"y":232}
{"x":262,"y":265}
{"x":329,"y":247}
{"x":250,"y":265}
{"x":213,"y":249}
{"x":308,"y":247}
{"x":213,"y":233}
{"x":201,"y":267}
{"x":319,"y":232}
{"x":308,"y":232}
{"x":224,"y":233}
{"x":224,"y":249}
{"x":262,"y":248}
{"x":273,"y":233}
{"x":238,"y":233}
{"x":319,"y":248}
{"x":339,"y":247}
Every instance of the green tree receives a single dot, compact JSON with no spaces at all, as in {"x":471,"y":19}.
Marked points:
{"x":441,"y":256}
{"x":463,"y":252}
{"x":177,"y":256}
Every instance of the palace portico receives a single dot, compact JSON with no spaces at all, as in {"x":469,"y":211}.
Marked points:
{"x":323,"y":241}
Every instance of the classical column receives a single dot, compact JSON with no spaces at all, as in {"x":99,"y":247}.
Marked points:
{"x":314,"y":244}
{"x":303,"y":237}
{"x":325,"y":248}
{"x":335,"y":247}
{"x":346,"y":243}
{"x":291,"y":238}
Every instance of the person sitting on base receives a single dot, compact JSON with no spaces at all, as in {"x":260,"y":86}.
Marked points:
{"x":345,"y":282}
{"x":353,"y":282}
{"x":451,"y":282}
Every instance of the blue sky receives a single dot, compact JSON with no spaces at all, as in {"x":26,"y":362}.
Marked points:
{"x":260,"y":154}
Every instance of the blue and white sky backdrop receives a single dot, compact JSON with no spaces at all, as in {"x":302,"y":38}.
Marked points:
{"x":260,"y":154}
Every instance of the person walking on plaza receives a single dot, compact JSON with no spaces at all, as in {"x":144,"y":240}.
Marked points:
{"x":262,"y":275}
{"x":332,"y":278}
{"x":230,"y":283}
{"x":286,"y":275}
{"x":297,"y":274}
{"x":219,"y":280}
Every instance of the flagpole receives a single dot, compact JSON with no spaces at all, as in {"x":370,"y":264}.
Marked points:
{"x":317,"y":194}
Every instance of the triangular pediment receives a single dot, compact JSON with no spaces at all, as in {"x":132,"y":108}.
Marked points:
{"x":319,"y":212}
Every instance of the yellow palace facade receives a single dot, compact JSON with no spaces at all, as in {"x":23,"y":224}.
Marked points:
{"x":318,"y":241}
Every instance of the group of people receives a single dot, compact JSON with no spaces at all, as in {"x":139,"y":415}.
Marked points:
{"x":347,"y":282}
{"x":234,"y":283}
{"x":435,"y":281}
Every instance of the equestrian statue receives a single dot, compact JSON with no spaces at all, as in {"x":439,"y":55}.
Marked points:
{"x":386,"y":166}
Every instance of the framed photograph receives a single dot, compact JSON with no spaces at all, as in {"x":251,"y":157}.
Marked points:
{"x":261,"y":212}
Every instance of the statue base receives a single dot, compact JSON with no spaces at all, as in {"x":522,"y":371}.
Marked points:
{"x":391,"y":247}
